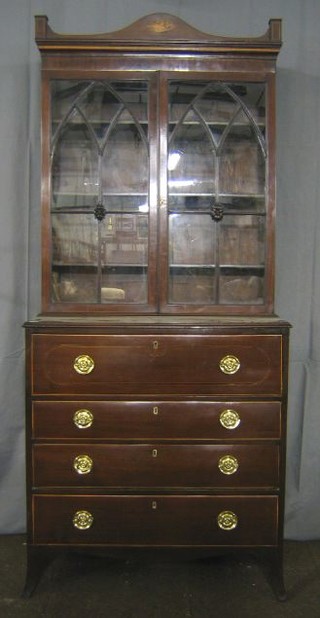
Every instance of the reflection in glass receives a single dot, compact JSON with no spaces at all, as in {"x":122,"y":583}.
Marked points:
{"x":191,"y":165}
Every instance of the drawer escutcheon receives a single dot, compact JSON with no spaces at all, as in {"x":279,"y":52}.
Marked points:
{"x":229,"y":419}
{"x":83,"y":464}
{"x":83,"y":418}
{"x":229,"y":364}
{"x":83,"y":364}
{"x":82,"y":520}
{"x":228,"y":464}
{"x":227,"y":520}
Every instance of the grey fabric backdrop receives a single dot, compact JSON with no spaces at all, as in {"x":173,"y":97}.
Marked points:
{"x":298,"y":222}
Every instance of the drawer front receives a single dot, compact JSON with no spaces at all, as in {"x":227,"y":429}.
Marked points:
{"x":146,"y":420}
{"x":166,"y":364}
{"x":156,"y":465}
{"x":142,"y":521}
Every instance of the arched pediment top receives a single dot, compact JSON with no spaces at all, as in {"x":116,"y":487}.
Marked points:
{"x":158,"y":32}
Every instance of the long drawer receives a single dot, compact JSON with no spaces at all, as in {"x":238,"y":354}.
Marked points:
{"x":164,"y":364}
{"x":146,"y":420}
{"x":142,"y":521}
{"x":152,"y":465}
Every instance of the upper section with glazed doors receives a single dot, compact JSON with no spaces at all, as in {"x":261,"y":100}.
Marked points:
{"x":158,"y":190}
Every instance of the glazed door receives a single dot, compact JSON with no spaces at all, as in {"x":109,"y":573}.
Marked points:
{"x":214,"y":184}
{"x":161,"y":194}
{"x":102,"y":219}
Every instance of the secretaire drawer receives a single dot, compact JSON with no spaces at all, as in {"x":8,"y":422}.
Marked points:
{"x":166,"y":364}
{"x":146,"y":420}
{"x":176,"y":521}
{"x":156,"y":465}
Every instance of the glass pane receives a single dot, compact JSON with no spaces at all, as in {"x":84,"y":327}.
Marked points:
{"x":187,"y":203}
{"x":217,"y":105}
{"x":99,"y":101}
{"x":242,"y":163}
{"x":244,"y":204}
{"x":216,"y":167}
{"x":100,"y":177}
{"x":242,"y":288}
{"x":75,"y":167}
{"x":191,"y":240}
{"x":191,"y":164}
{"x":253,"y":106}
{"x":64,"y":96}
{"x":127,"y":203}
{"x":192,"y":256}
{"x":242,"y":259}
{"x":124,"y":254}
{"x":125,"y":161}
{"x":241,"y":241}
{"x":99,"y":105}
{"x":75,"y":258}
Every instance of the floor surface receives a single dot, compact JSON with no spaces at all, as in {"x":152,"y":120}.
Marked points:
{"x":92,"y":587}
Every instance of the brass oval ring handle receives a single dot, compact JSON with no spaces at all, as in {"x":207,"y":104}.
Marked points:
{"x":82,"y":520}
{"x":83,"y":464}
{"x":228,"y":464}
{"x":227,"y":520}
{"x":229,"y":364}
{"x":229,"y":419}
{"x":83,"y":364}
{"x":83,"y":418}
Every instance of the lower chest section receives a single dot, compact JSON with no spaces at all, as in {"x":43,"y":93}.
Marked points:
{"x":159,"y":439}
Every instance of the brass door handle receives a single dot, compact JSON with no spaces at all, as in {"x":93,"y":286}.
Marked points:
{"x":228,"y":464}
{"x":229,"y":364}
{"x":83,"y":364}
{"x":229,"y":419}
{"x":83,"y":418}
{"x":83,"y":464}
{"x":227,"y":520}
{"x":82,"y":520}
